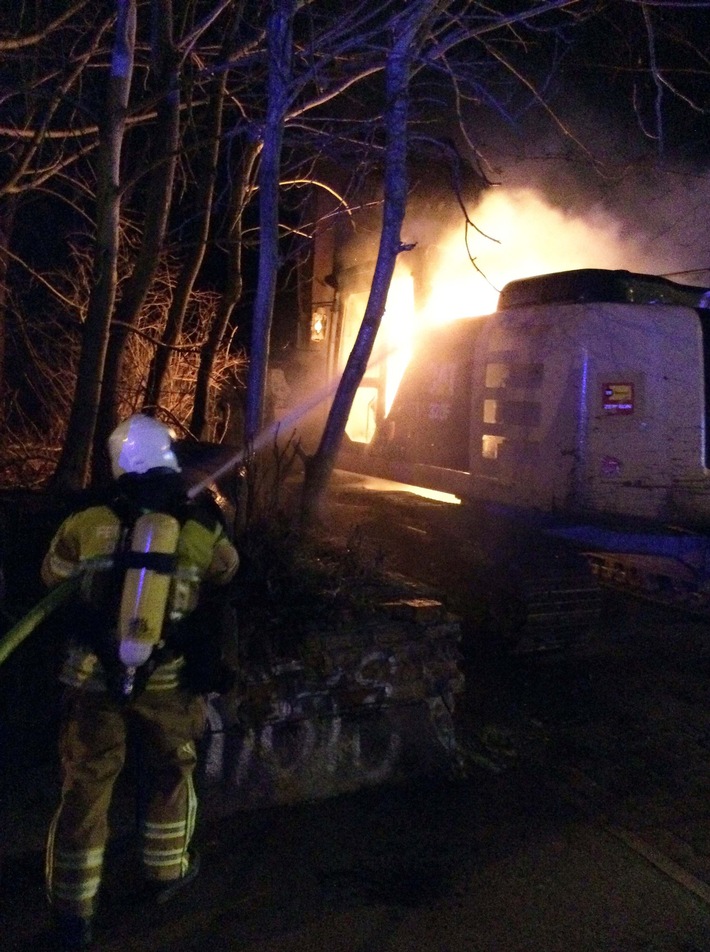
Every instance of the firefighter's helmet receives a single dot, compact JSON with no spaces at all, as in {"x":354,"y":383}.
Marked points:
{"x":139,"y":444}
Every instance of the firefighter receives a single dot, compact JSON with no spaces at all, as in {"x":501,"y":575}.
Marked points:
{"x":144,"y":561}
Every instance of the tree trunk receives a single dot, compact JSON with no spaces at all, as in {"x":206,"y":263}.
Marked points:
{"x":207,"y":175}
{"x":280,"y":53}
{"x":397,"y":77}
{"x":232,"y":292}
{"x":165,"y":141}
{"x":72,"y":470}
{"x":191,"y":265}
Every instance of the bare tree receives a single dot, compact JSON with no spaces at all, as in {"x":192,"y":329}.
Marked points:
{"x":74,"y":463}
{"x":42,"y":134}
{"x":241,"y":192}
{"x":407,"y":34}
{"x":162,"y":156}
{"x":280,"y":53}
{"x":292,"y":90}
{"x":207,"y":164}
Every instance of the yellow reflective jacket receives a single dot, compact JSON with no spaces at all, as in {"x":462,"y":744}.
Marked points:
{"x":86,"y":542}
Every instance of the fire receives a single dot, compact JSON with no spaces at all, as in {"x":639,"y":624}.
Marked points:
{"x":377,"y":485}
{"x":518,"y":234}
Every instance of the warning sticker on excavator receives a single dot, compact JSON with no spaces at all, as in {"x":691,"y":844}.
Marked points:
{"x":618,"y":398}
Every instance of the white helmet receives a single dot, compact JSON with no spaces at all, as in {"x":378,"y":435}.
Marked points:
{"x":141,"y":443}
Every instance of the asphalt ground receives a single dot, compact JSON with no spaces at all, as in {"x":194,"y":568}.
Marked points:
{"x":487,"y":862}
{"x":577,"y":820}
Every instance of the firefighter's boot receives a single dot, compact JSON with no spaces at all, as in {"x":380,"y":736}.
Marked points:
{"x":162,"y":892}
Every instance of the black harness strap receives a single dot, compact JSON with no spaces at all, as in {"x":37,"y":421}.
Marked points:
{"x":163,"y":563}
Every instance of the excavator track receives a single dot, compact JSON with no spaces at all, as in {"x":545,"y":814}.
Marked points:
{"x":545,"y":599}
{"x":528,"y":591}
{"x":561,"y":608}
{"x":656,"y":579}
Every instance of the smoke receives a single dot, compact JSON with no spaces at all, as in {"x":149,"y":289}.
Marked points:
{"x":655,"y":225}
{"x":547,"y":216}
{"x":593,"y":196}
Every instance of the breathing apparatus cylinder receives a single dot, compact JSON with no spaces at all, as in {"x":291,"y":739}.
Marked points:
{"x":151,"y":566}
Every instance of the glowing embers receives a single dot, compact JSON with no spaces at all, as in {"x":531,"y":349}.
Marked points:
{"x":434,"y":494}
{"x":362,"y":421}
{"x":319,"y":325}
{"x":376,"y":484}
{"x":390,"y":355}
{"x":490,"y":411}
{"x":491,"y":446}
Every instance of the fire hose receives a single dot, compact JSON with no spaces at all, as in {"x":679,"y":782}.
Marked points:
{"x":22,"y":629}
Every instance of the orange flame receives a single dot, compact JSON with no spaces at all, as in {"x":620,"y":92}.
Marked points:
{"x":519,"y":234}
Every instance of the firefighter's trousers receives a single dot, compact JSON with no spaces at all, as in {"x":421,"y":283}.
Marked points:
{"x":92,"y":745}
